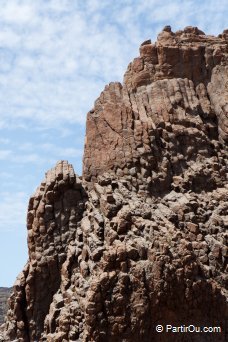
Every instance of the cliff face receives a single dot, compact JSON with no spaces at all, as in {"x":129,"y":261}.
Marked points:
{"x":173,"y":101}
{"x":140,"y":240}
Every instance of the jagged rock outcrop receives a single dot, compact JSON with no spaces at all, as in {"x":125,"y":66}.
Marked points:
{"x":141,"y":239}
{"x":173,"y":101}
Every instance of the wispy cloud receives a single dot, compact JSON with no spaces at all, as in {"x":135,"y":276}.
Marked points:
{"x":4,"y":141}
{"x":12,"y":214}
{"x":16,"y":12}
{"x":32,"y":154}
{"x":5,"y":154}
{"x":61,"y":53}
{"x":60,"y":151}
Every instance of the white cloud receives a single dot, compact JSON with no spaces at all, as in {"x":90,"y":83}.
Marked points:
{"x":9,"y":39}
{"x":15,"y":157}
{"x":44,"y":153}
{"x":16,"y":12}
{"x":62,"y":152}
{"x":5,"y":154}
{"x":28,"y":158}
{"x":5,"y":176}
{"x":27,"y":146}
{"x":13,"y":210}
{"x":4,"y":141}
{"x":64,"y":52}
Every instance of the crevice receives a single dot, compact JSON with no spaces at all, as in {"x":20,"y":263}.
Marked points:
{"x":108,"y":124}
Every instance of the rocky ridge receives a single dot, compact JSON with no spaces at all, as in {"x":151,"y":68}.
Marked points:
{"x":141,"y":238}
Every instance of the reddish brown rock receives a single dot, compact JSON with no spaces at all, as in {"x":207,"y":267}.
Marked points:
{"x":172,"y":97}
{"x":141,"y":240}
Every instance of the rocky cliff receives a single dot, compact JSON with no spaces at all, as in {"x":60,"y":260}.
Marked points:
{"x":141,"y":238}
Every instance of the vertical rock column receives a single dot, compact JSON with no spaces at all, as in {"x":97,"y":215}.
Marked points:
{"x":52,"y":218}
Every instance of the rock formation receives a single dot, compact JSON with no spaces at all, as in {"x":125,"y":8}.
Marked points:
{"x":141,"y":238}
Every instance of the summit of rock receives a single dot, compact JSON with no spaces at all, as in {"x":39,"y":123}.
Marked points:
{"x":141,"y":238}
{"x":178,"y":85}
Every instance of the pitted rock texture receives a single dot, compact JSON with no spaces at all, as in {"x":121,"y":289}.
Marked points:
{"x":141,"y":239}
{"x":53,"y":215}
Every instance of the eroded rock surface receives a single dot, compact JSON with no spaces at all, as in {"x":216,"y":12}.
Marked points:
{"x":141,"y":239}
{"x":173,"y":102}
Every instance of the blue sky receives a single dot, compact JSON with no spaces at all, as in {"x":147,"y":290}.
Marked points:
{"x":55,"y":59}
